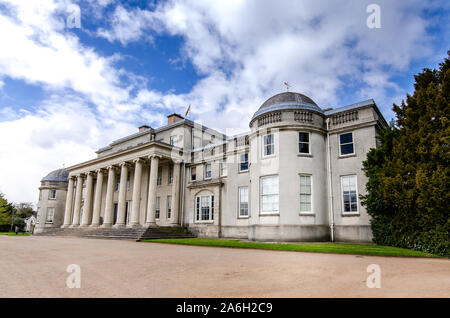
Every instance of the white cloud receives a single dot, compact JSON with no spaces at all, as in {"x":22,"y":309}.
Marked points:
{"x":127,"y":26}
{"x":247,"y":49}
{"x":244,"y":51}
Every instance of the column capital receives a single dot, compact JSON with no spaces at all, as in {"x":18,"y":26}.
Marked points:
{"x":101,"y":170}
{"x":88,"y":173}
{"x":124,"y":163}
{"x":138,"y":160}
{"x":113,"y":167}
{"x":154,"y":156}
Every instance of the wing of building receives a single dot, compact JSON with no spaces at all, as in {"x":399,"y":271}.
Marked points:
{"x":295,"y":176}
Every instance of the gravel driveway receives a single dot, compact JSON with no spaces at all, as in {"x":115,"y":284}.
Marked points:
{"x":36,"y":267}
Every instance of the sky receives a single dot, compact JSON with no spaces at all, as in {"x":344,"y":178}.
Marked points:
{"x":76,"y":75}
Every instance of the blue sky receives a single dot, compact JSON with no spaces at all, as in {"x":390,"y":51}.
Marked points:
{"x":65,"y":92}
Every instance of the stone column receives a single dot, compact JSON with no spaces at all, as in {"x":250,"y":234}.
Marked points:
{"x":69,"y":204}
{"x":86,"y":218}
{"x":109,"y":205}
{"x":97,"y":199}
{"x":77,"y":208}
{"x":121,"y":206}
{"x":151,"y":207}
{"x":136,"y":203}
{"x":175,"y":193}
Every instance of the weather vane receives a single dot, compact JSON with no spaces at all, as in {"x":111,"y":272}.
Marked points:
{"x":287,"y":86}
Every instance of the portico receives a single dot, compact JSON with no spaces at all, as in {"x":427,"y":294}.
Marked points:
{"x":125,"y":190}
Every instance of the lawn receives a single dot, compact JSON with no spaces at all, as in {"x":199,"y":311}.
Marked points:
{"x":14,"y":234}
{"x":336,"y":248}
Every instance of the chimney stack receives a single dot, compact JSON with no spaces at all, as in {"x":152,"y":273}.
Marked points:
{"x":144,"y":127}
{"x":173,"y":118}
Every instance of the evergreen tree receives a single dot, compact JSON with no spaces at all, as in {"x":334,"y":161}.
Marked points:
{"x":408,"y":189}
{"x":6,"y":211}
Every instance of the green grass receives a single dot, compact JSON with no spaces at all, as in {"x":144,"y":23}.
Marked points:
{"x":335,"y":248}
{"x":14,"y":234}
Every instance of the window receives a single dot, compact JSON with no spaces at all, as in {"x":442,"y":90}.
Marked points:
{"x":205,"y":208}
{"x":346,"y":144}
{"x":243,"y":202}
{"x":169,"y":206}
{"x":159,"y":180}
{"x":303,"y":142}
{"x":52,"y":194}
{"x":223,"y":168}
{"x":128,"y":180}
{"x":193,"y":173}
{"x":208,"y":171}
{"x":117,"y":183}
{"x":50,"y":215}
{"x":157,"y":212}
{"x":243,"y":162}
{"x":269,"y":194}
{"x":349,"y":194}
{"x":269,"y":145}
{"x":305,"y":193}
{"x":170,"y":174}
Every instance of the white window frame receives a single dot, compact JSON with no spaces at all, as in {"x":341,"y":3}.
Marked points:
{"x":198,"y":215}
{"x":240,"y":162}
{"x":342,"y":196}
{"x":158,"y":208}
{"x":311,"y":211}
{"x":302,"y":142}
{"x":223,"y":167}
{"x":47,"y":219}
{"x":50,"y":197}
{"x":347,"y":143}
{"x":205,"y":177}
{"x":268,"y":146}
{"x":240,"y":215}
{"x":261,"y":195}
{"x":169,"y":207}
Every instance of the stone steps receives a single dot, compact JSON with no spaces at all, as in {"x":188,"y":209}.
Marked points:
{"x":124,"y":233}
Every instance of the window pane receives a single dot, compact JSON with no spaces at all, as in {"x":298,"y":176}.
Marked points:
{"x":346,"y":149}
{"x":303,"y":137}
{"x":303,"y":148}
{"x":346,"y":138}
{"x":349,"y":194}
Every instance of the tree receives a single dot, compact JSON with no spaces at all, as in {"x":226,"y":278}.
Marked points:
{"x":408,"y":188}
{"x":6,"y":210}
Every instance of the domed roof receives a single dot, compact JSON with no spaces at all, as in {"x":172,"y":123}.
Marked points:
{"x":287,"y":100}
{"x":57,"y":175}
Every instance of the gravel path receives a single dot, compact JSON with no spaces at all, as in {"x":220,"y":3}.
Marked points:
{"x":36,"y":267}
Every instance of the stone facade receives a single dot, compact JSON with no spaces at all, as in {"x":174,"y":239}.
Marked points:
{"x":295,"y":176}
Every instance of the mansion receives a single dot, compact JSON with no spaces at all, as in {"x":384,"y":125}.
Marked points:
{"x":296,"y":175}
